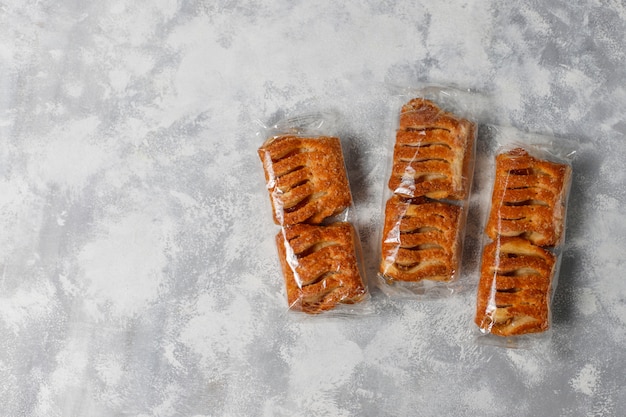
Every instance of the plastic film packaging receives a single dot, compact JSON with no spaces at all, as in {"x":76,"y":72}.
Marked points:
{"x":432,"y":143}
{"x":523,"y":236}
{"x":318,"y":245}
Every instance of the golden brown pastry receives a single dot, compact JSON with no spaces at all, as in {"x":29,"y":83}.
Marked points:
{"x":420,"y":240}
{"x":320,"y":266}
{"x":528,"y":198}
{"x":306,"y":178}
{"x":433,"y":152}
{"x":514,"y":288}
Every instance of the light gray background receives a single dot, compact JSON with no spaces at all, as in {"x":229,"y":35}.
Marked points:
{"x":138,"y":275}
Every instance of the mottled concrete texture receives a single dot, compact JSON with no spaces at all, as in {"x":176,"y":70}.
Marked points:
{"x":138,"y":270}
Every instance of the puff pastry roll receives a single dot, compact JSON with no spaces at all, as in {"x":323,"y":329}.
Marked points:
{"x":305,"y":177}
{"x":528,"y":198}
{"x":319,"y":266}
{"x":514,"y":289}
{"x":420,"y":240}
{"x":433,"y":152}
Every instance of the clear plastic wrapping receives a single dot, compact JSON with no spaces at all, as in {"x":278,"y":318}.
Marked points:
{"x":431,"y":164}
{"x":318,"y":246}
{"x":523,"y":236}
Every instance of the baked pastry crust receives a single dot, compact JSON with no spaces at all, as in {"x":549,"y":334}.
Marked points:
{"x":319,"y":266}
{"x":433,"y":152}
{"x":528,"y":198}
{"x":514,"y":289}
{"x":306,"y":178}
{"x":420,"y":240}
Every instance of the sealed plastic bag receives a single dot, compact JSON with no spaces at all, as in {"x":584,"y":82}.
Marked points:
{"x":318,"y":246}
{"x":426,"y":198}
{"x":524,"y":233}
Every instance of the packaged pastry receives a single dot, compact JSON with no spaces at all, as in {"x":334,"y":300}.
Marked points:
{"x":524,"y":234}
{"x":514,"y":287}
{"x":528,"y":198}
{"x":320,"y":266}
{"x":427,"y":195}
{"x":318,"y":246}
{"x":433,"y":152}
{"x":421,"y":239}
{"x":305,"y":177}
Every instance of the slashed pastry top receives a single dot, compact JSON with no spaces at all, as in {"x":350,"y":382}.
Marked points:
{"x":432,"y":153}
{"x":320,"y":266}
{"x":514,"y":289}
{"x":528,"y":198}
{"x":306,"y":178}
{"x":420,"y":240}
